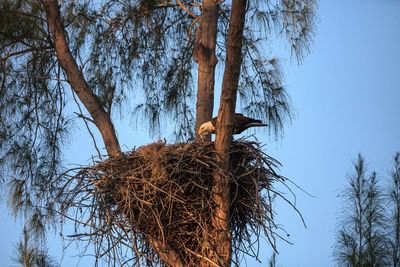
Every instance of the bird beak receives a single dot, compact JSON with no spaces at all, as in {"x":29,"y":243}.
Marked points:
{"x":202,"y":133}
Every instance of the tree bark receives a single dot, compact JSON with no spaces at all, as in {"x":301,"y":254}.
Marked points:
{"x":77,"y":81}
{"x":221,"y":217}
{"x":167,"y":254}
{"x":204,"y":55}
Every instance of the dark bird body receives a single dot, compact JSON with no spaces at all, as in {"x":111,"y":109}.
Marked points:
{"x":240,"y":124}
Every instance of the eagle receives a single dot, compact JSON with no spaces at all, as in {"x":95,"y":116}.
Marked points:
{"x":240,"y":124}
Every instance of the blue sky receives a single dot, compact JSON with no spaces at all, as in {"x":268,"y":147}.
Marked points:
{"x":346,"y":95}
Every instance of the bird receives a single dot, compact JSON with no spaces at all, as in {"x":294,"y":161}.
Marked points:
{"x":240,"y":124}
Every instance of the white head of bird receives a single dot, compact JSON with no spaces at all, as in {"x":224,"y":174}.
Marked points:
{"x":206,"y":128}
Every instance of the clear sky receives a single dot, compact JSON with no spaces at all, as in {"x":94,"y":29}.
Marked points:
{"x":347,"y":99}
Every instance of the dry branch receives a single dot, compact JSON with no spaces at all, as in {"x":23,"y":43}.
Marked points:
{"x":162,"y":193}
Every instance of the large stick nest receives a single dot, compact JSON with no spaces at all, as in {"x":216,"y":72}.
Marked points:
{"x":163,"y":192}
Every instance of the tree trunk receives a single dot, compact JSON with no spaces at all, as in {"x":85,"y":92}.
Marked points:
{"x":77,"y":81}
{"x":221,"y":217}
{"x":166,"y":253}
{"x":204,"y":55}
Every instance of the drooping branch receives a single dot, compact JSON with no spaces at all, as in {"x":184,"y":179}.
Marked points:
{"x":77,"y":81}
{"x":22,"y":52}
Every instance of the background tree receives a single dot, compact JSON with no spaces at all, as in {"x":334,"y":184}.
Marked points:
{"x":272,"y":261}
{"x":360,"y":235}
{"x":394,"y":210}
{"x":106,"y":50}
{"x":28,"y":254}
{"x":375,"y":217}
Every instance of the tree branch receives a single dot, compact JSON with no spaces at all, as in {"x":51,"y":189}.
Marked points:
{"x":23,"y":52}
{"x":187,"y":10}
{"x":77,"y":81}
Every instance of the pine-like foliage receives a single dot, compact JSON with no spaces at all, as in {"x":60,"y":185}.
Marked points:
{"x":394,"y":213}
{"x":116,"y":43}
{"x":142,"y":50}
{"x":261,"y":89}
{"x":33,"y":124}
{"x":146,"y":47}
{"x":27,"y":254}
{"x":360,"y":237}
{"x":273,"y":261}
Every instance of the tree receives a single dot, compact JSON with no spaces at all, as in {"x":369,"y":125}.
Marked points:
{"x":394,"y":216}
{"x":272,"y":261}
{"x":29,"y":255}
{"x":104,"y":49}
{"x":375,"y":217}
{"x":360,"y":235}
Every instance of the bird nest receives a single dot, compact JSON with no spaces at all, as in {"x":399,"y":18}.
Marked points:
{"x":163,"y":192}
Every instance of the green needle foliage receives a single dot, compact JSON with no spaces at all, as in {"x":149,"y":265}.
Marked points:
{"x":362,"y":230}
{"x":33,"y":125}
{"x":272,"y":261}
{"x":27,"y":254}
{"x":394,"y":215}
{"x":261,"y":90}
{"x":143,"y":49}
{"x":360,"y":227}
